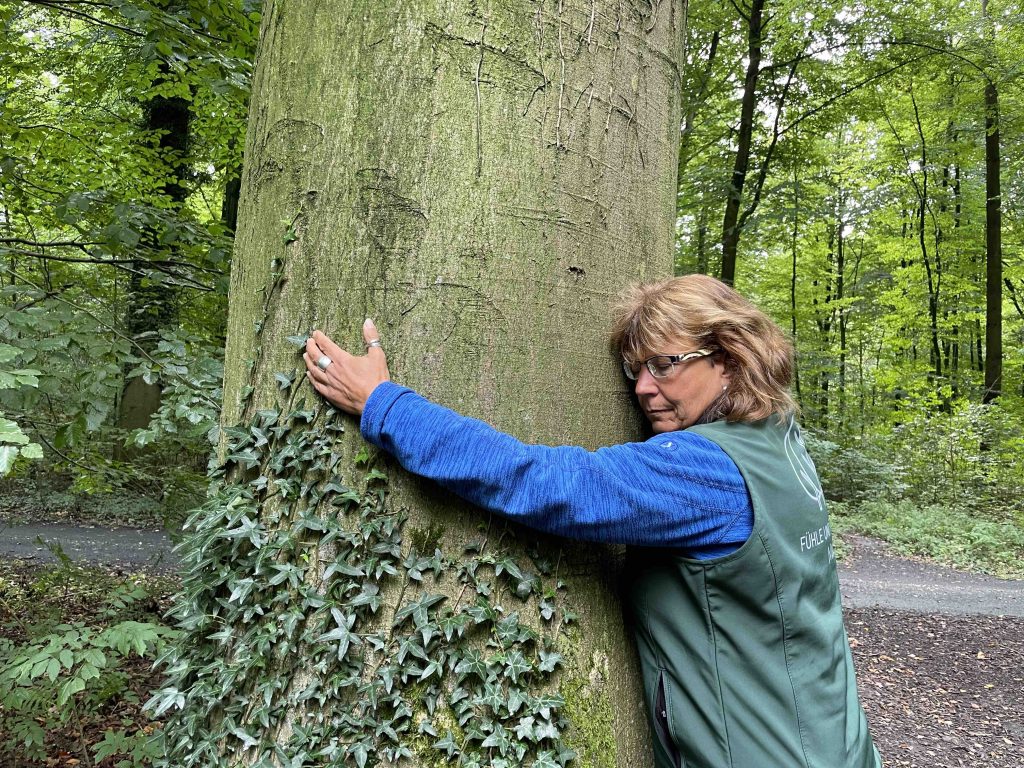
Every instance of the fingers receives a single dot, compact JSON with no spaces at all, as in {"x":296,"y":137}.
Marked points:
{"x":326,"y":346}
{"x":348,"y":380}
{"x":313,"y":369}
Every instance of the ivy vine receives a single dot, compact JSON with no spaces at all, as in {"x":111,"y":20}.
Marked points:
{"x":313,"y":632}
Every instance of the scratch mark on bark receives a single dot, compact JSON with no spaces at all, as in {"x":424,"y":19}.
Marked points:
{"x":479,"y":117}
{"x":561,"y":85}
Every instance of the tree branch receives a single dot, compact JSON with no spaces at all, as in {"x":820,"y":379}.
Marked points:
{"x":62,"y":7}
{"x":847,"y":91}
{"x":763,"y":171}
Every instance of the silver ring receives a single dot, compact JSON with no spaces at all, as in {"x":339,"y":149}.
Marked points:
{"x":324,"y":362}
{"x":373,"y":343}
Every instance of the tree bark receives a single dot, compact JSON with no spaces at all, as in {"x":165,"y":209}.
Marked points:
{"x":482,"y":183}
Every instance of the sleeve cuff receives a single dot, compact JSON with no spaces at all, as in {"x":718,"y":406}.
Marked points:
{"x":384,"y":395}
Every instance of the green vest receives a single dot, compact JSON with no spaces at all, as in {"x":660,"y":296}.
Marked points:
{"x":745,"y":658}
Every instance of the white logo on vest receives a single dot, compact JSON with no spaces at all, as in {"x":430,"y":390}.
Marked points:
{"x":802,"y":465}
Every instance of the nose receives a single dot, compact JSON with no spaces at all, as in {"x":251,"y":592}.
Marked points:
{"x":645,"y":383}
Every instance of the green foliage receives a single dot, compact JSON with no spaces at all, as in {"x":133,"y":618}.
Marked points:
{"x":852,"y":473}
{"x":287,"y":652}
{"x":56,"y":675}
{"x":956,"y":537}
{"x":868,"y":240}
{"x":109,"y":225}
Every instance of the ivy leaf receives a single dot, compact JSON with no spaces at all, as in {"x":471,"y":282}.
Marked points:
{"x":527,"y":585}
{"x":342,"y":633}
{"x":447,"y":744}
{"x":432,"y":668}
{"x":547,"y":610}
{"x":481,"y":612}
{"x":546,"y":730}
{"x":516,"y":665}
{"x":417,"y":609}
{"x":507,"y":630}
{"x":370,"y":596}
{"x":411,"y":645}
{"x":472,"y":663}
{"x":524,"y":730}
{"x":497,"y":738}
{"x":454,"y":625}
{"x":509,"y":565}
{"x":360,"y":751}
{"x":387,"y":674}
{"x":516,"y":699}
{"x":548,"y":661}
{"x":546,"y":704}
{"x":545,"y":759}
{"x":493,"y":696}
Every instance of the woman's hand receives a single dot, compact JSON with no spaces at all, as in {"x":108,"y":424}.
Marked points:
{"x":345,"y":380}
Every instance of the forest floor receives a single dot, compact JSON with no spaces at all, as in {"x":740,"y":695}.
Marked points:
{"x":939,"y":653}
{"x":940,"y":659}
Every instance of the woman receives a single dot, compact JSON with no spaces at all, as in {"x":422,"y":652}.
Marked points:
{"x":734,"y":592}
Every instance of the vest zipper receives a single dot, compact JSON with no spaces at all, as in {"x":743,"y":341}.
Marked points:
{"x":661,"y":723}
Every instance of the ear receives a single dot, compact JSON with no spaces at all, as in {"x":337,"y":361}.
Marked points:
{"x":727,"y":368}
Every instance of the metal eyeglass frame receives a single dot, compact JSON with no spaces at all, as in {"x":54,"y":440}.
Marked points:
{"x":669,"y":361}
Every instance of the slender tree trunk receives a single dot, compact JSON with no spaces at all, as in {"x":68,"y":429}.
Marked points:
{"x":482,"y":183}
{"x":150,"y":304}
{"x":993,"y":250}
{"x":730,"y":224}
{"x":840,"y":310}
{"x":792,"y":275}
{"x":229,"y":206}
{"x":702,"y":236}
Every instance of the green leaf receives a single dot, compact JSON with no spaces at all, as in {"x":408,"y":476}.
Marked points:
{"x":545,"y":760}
{"x":69,"y":689}
{"x":8,"y":453}
{"x":516,"y":665}
{"x":447,"y":744}
{"x":8,"y":353}
{"x":32,"y":451}
{"x":10,"y":432}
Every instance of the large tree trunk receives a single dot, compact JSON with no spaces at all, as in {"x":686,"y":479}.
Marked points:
{"x":482,"y":183}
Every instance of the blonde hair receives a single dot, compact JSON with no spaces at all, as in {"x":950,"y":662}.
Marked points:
{"x":657,"y":317}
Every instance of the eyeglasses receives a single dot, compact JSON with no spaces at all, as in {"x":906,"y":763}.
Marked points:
{"x":662,"y":366}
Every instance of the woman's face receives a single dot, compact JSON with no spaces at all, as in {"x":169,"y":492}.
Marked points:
{"x":678,"y":400}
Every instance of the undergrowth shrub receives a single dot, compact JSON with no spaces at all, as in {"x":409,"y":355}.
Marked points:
{"x":950,"y":536}
{"x":71,"y":642}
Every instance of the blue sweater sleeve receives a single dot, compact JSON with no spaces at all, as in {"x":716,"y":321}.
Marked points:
{"x":676,"y":490}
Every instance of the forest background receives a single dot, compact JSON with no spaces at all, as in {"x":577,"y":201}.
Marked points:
{"x":855,"y":168}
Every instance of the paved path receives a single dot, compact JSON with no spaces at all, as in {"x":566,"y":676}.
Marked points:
{"x":113,"y":546}
{"x":873,"y":578}
{"x":870,"y":578}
